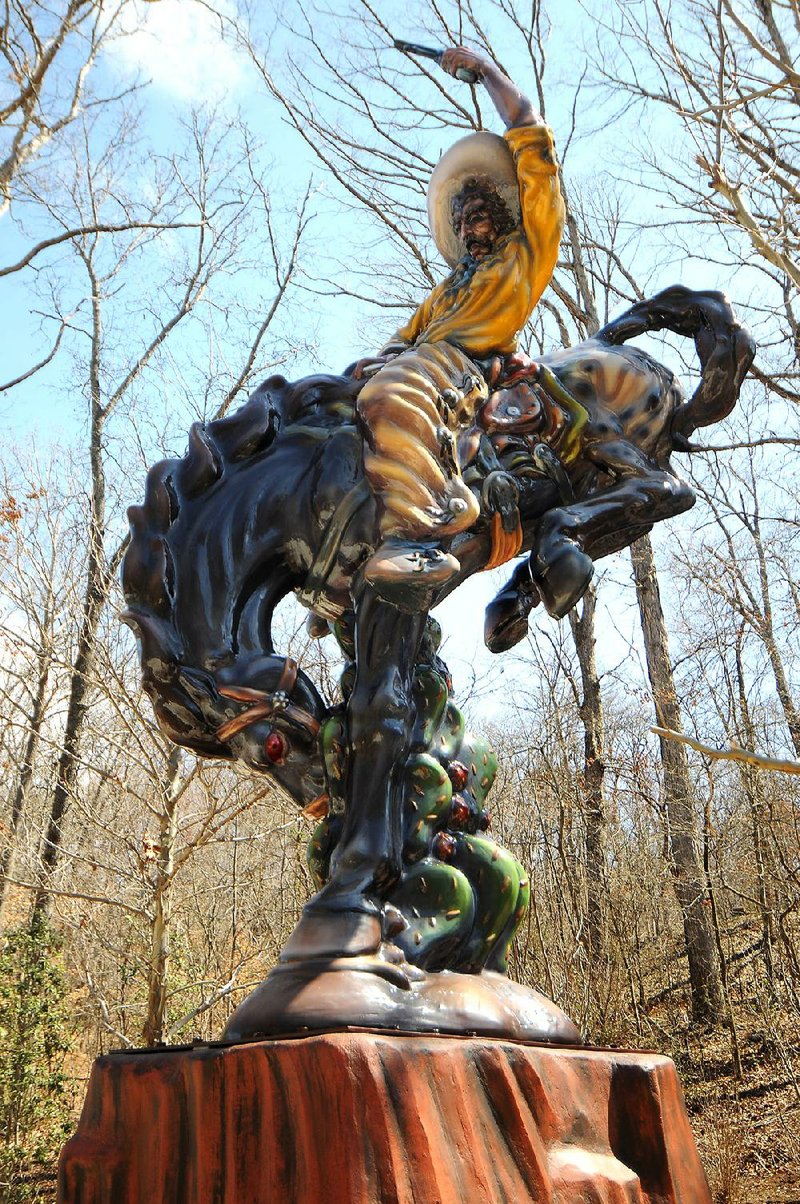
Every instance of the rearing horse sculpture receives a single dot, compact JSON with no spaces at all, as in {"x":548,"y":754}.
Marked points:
{"x":571,"y":459}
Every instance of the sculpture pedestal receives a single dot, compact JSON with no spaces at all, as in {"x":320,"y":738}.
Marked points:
{"x":368,"y":1117}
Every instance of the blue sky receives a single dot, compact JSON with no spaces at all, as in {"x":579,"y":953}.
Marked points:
{"x":177,"y":47}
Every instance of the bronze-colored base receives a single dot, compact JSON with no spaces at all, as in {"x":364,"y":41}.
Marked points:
{"x":335,"y":971}
{"x":384,"y":991}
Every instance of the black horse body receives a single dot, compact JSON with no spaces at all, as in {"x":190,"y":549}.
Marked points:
{"x":272,"y":500}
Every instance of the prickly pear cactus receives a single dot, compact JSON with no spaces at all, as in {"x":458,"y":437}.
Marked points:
{"x":462,"y":895}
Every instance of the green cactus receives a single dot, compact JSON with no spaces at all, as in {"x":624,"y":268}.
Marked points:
{"x":462,"y":895}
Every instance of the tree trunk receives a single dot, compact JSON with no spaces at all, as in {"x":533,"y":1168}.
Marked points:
{"x":755,"y":798}
{"x":95,"y":595}
{"x":43,"y":662}
{"x":68,"y":762}
{"x":591,"y":712}
{"x":685,"y":863}
{"x":153,"y":1029}
{"x":583,"y":635}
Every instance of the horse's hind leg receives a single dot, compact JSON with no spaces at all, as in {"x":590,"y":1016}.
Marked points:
{"x":557,"y":573}
{"x":506,"y":619}
{"x":561,"y":565}
{"x":346,"y":916}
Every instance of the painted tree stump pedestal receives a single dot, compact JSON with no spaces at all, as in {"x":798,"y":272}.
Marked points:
{"x":365,"y":1117}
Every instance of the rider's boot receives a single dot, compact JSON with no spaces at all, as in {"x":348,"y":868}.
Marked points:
{"x":400,"y":567}
{"x":410,"y":559}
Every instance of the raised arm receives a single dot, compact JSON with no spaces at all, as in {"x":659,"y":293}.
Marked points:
{"x":514,"y":108}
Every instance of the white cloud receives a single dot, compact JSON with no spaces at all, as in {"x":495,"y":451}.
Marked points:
{"x":178,"y":45}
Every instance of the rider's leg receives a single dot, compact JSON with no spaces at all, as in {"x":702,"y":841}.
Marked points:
{"x":410,"y":411}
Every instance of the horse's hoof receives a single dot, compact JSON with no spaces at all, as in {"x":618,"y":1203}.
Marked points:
{"x":399,"y":572}
{"x":563,"y":581}
{"x":506,"y":621}
{"x":324,"y":933}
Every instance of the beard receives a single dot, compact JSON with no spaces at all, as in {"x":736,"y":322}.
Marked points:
{"x":479,"y":248}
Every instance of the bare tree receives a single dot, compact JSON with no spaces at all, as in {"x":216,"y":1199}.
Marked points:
{"x":40,"y":554}
{"x":207,"y":198}
{"x":724,"y":71}
{"x":741,"y":637}
{"x":48,"y":56}
{"x":742,"y":566}
{"x":704,"y":972}
{"x":592,"y":718}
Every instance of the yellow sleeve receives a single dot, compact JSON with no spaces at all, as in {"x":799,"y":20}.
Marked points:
{"x":419,"y":320}
{"x":539,"y":193}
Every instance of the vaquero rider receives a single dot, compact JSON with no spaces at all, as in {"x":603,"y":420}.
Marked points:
{"x":496,"y":215}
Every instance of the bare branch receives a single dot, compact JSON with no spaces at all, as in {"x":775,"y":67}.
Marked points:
{"x":733,"y":753}
{"x":95,"y":228}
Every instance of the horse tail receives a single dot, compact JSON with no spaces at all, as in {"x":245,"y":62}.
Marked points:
{"x":724,"y":346}
{"x":202,"y":577}
{"x":726,"y":350}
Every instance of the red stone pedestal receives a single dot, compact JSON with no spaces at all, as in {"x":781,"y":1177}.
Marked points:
{"x":373,"y":1118}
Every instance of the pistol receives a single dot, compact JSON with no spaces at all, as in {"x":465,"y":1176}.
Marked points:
{"x":429,"y":52}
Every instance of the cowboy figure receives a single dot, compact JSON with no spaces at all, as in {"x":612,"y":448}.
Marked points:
{"x":496,"y":215}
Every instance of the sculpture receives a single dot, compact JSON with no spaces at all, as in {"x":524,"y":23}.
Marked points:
{"x":496,"y":215}
{"x":567,"y":459}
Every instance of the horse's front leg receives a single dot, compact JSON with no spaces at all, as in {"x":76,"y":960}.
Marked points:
{"x":569,"y":537}
{"x":380,"y":720}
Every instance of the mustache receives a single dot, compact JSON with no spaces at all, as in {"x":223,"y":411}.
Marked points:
{"x":479,"y":244}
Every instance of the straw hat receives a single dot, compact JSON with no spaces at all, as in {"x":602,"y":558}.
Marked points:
{"x":481,"y":154}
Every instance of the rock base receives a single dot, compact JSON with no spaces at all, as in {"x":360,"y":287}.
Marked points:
{"x":373,"y":1118}
{"x":366,"y":992}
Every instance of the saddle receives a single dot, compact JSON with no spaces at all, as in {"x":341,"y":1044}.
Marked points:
{"x":534,"y":431}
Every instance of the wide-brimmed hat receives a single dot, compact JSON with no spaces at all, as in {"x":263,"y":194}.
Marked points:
{"x":482,"y":154}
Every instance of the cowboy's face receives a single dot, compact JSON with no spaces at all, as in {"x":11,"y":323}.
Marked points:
{"x":477,"y":229}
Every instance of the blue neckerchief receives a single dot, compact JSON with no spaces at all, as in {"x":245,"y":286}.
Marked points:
{"x":466,"y":267}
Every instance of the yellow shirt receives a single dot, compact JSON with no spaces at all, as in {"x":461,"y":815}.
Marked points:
{"x":485,"y":313}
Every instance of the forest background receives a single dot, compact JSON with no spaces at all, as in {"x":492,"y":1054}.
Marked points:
{"x":194,"y":194}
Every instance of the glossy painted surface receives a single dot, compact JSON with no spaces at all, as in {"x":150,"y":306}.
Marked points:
{"x":569,"y":459}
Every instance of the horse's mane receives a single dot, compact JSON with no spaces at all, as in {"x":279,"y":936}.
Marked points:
{"x":205,"y":568}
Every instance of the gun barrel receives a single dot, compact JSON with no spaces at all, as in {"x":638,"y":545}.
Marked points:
{"x":427,"y":52}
